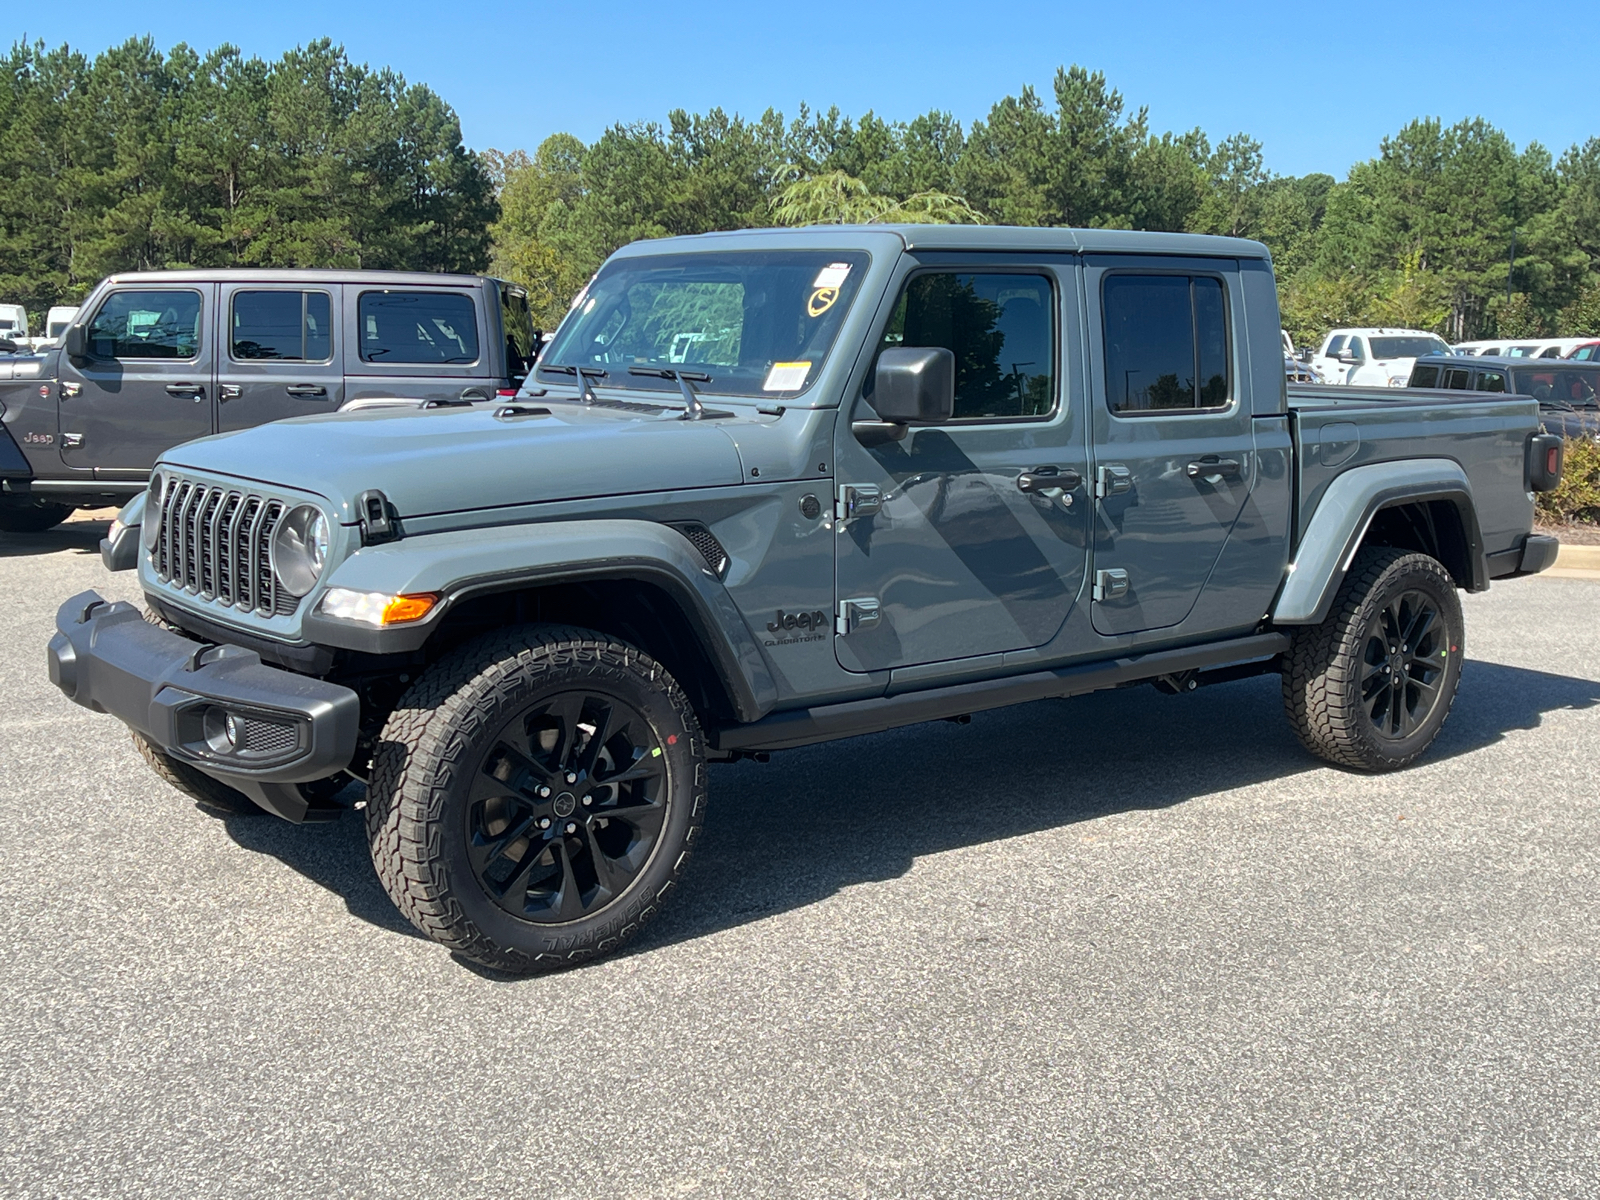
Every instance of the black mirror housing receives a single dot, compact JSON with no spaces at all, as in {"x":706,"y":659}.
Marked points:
{"x":7,"y":346}
{"x":915,"y":385}
{"x":76,"y":342}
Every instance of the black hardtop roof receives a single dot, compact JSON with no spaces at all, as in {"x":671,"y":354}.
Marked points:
{"x":299,"y":275}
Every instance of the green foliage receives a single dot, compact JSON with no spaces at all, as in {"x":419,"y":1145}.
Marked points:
{"x":834,"y":198}
{"x":1577,"y":498}
{"x":139,"y":160}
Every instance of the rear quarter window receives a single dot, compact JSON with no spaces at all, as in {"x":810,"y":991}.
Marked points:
{"x":436,"y":328}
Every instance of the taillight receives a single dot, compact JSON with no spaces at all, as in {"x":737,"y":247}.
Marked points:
{"x":1546,"y":452}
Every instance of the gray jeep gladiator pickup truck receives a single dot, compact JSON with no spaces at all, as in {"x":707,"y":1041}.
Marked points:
{"x":161,"y":357}
{"x":770,"y":488}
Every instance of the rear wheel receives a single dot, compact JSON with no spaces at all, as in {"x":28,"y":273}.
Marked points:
{"x":535,"y":795}
{"x":24,"y":514}
{"x":1371,"y":686}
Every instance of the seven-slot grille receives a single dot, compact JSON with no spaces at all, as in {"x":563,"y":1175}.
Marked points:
{"x":216,"y":542}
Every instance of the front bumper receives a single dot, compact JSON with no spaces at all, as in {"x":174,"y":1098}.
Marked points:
{"x":286,"y":729}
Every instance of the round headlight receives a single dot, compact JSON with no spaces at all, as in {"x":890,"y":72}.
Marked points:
{"x":150,"y":529}
{"x":300,"y":549}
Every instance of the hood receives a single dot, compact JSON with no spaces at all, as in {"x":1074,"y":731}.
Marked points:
{"x":455,"y":459}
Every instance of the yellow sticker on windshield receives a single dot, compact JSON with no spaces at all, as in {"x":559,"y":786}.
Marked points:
{"x":821,"y":301}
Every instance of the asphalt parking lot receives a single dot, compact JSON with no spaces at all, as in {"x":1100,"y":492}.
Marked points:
{"x":1124,"y":945}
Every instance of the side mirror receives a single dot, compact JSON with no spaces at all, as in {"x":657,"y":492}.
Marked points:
{"x":915,"y":385}
{"x":76,"y":342}
{"x":7,"y":346}
{"x":1348,"y":356}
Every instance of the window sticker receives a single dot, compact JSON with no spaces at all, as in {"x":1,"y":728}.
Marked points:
{"x":786,"y":377}
{"x":821,"y":301}
{"x":832,"y":276}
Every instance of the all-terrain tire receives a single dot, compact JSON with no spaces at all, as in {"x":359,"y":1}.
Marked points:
{"x":1335,"y":671}
{"x":436,"y":747}
{"x":210,"y":794}
{"x":23,"y":514}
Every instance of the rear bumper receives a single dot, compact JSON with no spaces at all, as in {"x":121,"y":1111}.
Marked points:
{"x":1537,"y":553}
{"x":286,"y":729}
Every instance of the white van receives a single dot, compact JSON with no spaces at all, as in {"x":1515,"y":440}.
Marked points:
{"x":1374,"y":357}
{"x":14,"y":325}
{"x":55,"y":324}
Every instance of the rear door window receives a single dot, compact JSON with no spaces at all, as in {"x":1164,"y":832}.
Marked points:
{"x":153,"y":324}
{"x":1166,"y":343}
{"x":285,"y":326}
{"x":438,"y":328}
{"x":1492,"y":381}
{"x":1458,"y":379}
{"x":516,"y":318}
{"x":1424,"y":376}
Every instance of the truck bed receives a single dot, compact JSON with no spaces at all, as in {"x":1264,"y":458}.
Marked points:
{"x":1337,"y":429}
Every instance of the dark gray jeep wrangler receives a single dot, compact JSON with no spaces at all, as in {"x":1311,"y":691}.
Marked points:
{"x":770,"y":488}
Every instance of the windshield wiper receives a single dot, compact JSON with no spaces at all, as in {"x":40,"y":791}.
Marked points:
{"x":583,"y":374}
{"x":693,"y":409}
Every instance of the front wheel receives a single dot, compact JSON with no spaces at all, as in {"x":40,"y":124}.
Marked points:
{"x":1370,"y":687}
{"x":535,"y":796}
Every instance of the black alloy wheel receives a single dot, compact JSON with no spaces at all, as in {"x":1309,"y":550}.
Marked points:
{"x":1370,"y":686}
{"x":1403,"y":665}
{"x":535,"y":796}
{"x":567,"y":806}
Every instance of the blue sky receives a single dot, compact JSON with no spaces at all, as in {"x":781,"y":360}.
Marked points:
{"x":1318,"y":85}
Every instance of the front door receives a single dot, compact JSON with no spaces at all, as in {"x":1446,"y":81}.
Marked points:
{"x":1172,"y":435}
{"x":278,"y":356}
{"x":952,"y":543}
{"x":146,"y":383}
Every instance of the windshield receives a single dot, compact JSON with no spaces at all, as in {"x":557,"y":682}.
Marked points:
{"x":1564,"y":388}
{"x":1407,"y":347}
{"x":755,"y":322}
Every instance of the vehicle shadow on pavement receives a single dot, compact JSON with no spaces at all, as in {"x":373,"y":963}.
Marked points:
{"x":332,"y":855}
{"x":814,"y":821}
{"x":82,"y":537}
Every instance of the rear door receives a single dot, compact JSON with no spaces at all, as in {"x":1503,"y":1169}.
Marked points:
{"x":1173,"y":444}
{"x":277,"y":353}
{"x":147,"y":383}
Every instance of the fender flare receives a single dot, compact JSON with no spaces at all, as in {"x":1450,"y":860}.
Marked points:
{"x":1344,"y":514}
{"x":463,"y":564}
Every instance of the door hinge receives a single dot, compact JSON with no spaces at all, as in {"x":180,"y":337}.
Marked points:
{"x":855,"y":615}
{"x":857,"y":500}
{"x":1111,"y":584}
{"x":1112,"y":480}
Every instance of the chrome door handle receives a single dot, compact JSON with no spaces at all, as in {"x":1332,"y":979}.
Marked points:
{"x":187,"y":390}
{"x":1042,"y":479}
{"x":1226,"y":468}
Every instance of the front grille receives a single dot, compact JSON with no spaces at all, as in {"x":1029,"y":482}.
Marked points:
{"x":215,"y":543}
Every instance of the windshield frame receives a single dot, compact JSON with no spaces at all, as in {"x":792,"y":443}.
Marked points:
{"x":730,"y":382}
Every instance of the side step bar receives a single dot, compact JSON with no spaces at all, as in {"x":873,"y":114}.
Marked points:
{"x":804,"y":726}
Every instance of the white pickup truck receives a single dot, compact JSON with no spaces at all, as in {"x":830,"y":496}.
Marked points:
{"x":1373,"y":357}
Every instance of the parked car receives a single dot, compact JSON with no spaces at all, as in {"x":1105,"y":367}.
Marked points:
{"x":770,"y":488}
{"x":1565,"y":390}
{"x":158,"y":358}
{"x":1585,"y":352}
{"x":1374,"y":357}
